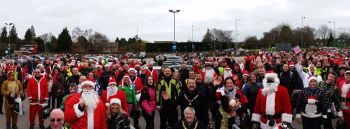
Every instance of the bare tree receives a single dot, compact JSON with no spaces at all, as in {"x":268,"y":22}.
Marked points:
{"x":323,"y":31}
{"x":46,"y":37}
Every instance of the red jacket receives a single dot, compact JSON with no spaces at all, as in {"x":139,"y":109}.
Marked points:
{"x":137,"y":82}
{"x":81,"y":120}
{"x":153,"y":73}
{"x":37,"y":91}
{"x":120,"y":95}
{"x":278,"y":104}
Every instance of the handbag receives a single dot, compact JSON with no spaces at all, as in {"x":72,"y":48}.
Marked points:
{"x":45,"y":111}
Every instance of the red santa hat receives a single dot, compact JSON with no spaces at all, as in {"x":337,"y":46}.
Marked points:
{"x":131,"y":69}
{"x":112,"y":101}
{"x":312,"y":78}
{"x":347,"y":71}
{"x":112,"y":81}
{"x":271,"y":74}
{"x":227,"y":68}
{"x":245,"y":73}
{"x":291,"y":63}
{"x":88,"y":82}
{"x":311,"y":99}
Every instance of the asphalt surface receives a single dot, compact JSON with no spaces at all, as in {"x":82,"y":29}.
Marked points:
{"x":23,"y":120}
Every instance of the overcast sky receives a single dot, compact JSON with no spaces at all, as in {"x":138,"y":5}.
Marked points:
{"x":121,"y":18}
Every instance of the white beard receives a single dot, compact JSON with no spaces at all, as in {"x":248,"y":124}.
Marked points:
{"x":345,"y":90}
{"x":111,"y":91}
{"x":227,"y":74}
{"x":269,"y":88}
{"x":90,"y":99}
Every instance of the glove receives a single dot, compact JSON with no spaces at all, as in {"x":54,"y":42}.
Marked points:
{"x":12,"y":95}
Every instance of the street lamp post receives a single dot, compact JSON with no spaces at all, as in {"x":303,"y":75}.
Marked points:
{"x":174,"y":43}
{"x":9,"y":45}
{"x":302,"y":32}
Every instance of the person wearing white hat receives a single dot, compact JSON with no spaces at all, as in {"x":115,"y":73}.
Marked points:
{"x":85,"y":110}
{"x":117,"y":118}
{"x":311,"y":107}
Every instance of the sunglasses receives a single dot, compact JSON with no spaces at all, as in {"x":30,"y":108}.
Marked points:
{"x":53,"y":120}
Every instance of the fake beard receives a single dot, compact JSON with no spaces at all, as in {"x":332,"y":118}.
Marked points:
{"x":227,"y":74}
{"x":111,"y":91}
{"x":269,"y":88}
{"x":90,"y":98}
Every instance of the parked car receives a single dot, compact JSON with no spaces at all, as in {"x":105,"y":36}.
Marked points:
{"x":173,"y":60}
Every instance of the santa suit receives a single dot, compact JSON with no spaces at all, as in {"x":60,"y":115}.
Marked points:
{"x":209,"y":75}
{"x":274,"y":104}
{"x":345,"y":101}
{"x":153,"y":73}
{"x":84,"y":119}
{"x":120,"y":95}
{"x":37,"y":92}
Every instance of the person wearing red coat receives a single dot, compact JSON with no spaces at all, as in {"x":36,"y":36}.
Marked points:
{"x":345,"y":97}
{"x":85,"y":110}
{"x":113,"y":92}
{"x":230,"y":113}
{"x":272,"y":108}
{"x":38,"y":96}
{"x":150,"y":71}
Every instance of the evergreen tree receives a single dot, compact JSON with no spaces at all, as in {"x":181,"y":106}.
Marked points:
{"x":33,"y":31}
{"x":64,"y":41}
{"x":28,"y":37}
{"x":3,"y":37}
{"x":13,"y":35}
{"x":41,"y":44}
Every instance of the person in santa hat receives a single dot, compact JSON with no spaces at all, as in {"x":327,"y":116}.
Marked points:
{"x":117,"y":118}
{"x":85,"y":110}
{"x":130,"y":93}
{"x":245,"y":76}
{"x":135,"y":81}
{"x":209,"y":73}
{"x":228,"y":72}
{"x":345,"y":97}
{"x":113,"y":92}
{"x":152,"y":72}
{"x":272,"y":108}
{"x":311,"y":106}
{"x":231,"y":115}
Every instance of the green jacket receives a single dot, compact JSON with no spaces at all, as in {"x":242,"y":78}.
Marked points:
{"x":130,"y":93}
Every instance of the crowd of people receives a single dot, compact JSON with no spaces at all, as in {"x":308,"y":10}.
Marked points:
{"x":261,"y":90}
